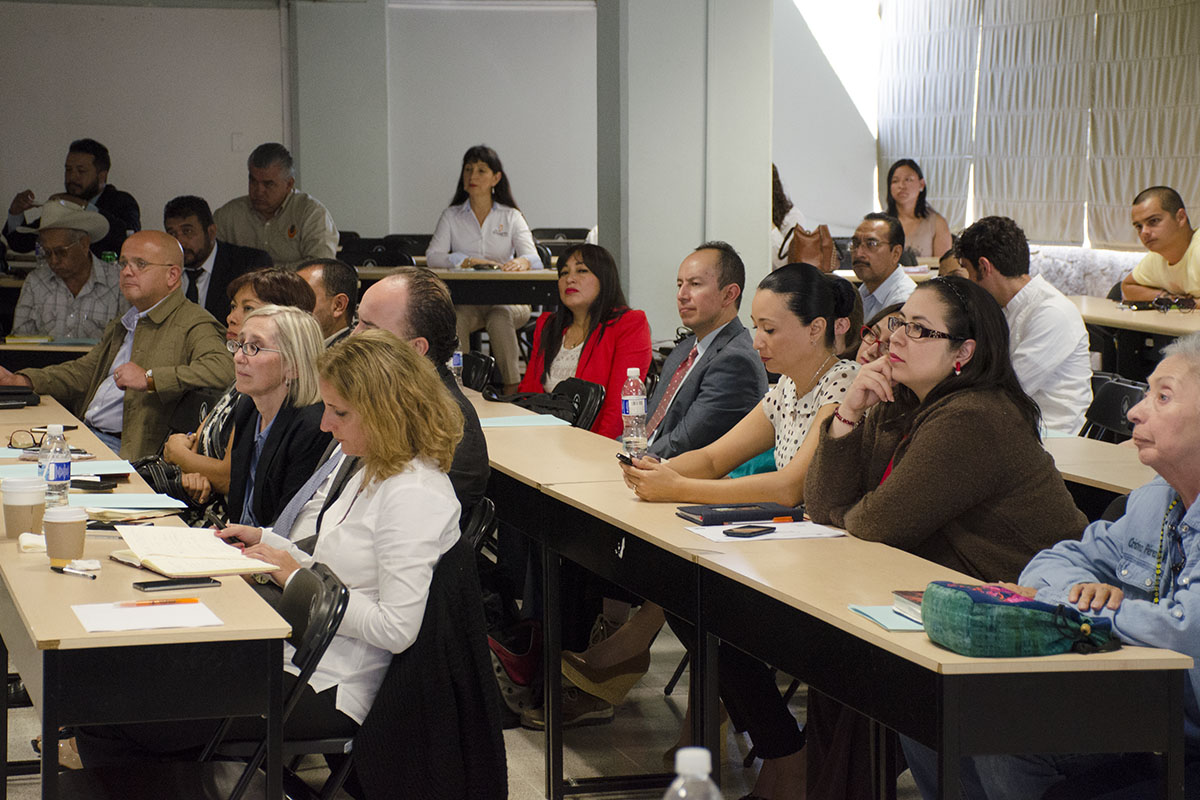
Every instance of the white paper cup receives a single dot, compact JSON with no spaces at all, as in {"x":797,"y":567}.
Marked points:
{"x":24,"y":502}
{"x":66,"y":528}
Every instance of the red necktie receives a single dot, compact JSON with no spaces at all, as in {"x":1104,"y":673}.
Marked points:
{"x":672,"y":388}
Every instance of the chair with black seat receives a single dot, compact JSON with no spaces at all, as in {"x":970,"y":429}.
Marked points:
{"x":481,"y":525}
{"x":1107,"y":416}
{"x":478,"y":370}
{"x":1101,"y":378}
{"x":587,"y":397}
{"x":414,"y":244}
{"x":525,"y":332}
{"x":562,"y":234}
{"x":347,"y":238}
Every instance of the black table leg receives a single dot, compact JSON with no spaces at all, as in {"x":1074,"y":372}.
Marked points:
{"x":551,"y":670}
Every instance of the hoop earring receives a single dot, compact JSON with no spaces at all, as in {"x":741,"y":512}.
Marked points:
{"x":957,"y":368}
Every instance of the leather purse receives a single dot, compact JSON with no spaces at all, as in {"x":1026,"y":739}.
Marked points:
{"x":810,"y":247}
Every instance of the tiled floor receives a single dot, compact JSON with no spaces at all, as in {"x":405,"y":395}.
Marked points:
{"x":644,"y":728}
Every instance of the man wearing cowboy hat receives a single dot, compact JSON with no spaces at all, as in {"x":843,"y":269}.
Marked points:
{"x":85,"y":181}
{"x":73,"y":295}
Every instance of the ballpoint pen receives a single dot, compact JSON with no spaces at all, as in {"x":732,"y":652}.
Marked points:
{"x":71,"y":571}
{"x":174,"y":601}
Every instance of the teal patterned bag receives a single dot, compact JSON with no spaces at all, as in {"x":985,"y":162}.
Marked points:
{"x":994,"y":622}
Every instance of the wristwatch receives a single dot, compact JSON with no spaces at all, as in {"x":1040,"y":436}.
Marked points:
{"x":150,"y":380}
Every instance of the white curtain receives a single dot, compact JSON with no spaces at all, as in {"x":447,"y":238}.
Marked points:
{"x":1032,"y":124}
{"x":1145,"y":110}
{"x":926,"y":97}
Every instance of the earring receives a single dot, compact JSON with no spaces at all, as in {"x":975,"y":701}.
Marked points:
{"x":957,"y":368}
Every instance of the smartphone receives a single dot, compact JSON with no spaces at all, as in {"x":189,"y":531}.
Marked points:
{"x":93,"y":486}
{"x":749,"y":531}
{"x":175,"y":583}
{"x":625,"y":458}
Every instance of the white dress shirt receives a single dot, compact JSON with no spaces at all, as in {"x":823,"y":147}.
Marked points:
{"x":1049,"y":346}
{"x":504,"y":235}
{"x":895,"y":289}
{"x":383,"y":541}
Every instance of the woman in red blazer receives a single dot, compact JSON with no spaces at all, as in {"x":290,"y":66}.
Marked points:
{"x":593,"y":335}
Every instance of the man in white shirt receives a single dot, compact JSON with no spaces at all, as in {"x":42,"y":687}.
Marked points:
{"x":875,"y":252}
{"x":1047,"y":338}
{"x":273,"y":216}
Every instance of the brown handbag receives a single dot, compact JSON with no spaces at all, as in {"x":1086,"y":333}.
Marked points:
{"x":810,"y":247}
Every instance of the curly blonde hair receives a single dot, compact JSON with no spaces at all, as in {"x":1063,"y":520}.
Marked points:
{"x":399,"y":396}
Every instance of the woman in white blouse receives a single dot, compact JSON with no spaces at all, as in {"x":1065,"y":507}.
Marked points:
{"x":483,"y":228}
{"x":383,"y":537}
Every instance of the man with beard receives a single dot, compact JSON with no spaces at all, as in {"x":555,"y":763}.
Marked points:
{"x":875,"y":252}
{"x":208,"y":265}
{"x":86,"y":183}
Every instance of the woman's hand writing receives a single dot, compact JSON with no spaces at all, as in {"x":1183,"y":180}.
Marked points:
{"x":280,"y":558}
{"x":240,"y":534}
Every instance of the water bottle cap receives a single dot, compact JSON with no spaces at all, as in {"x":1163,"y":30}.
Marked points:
{"x":633,"y":372}
{"x":693,"y":761}
{"x":54,"y":430}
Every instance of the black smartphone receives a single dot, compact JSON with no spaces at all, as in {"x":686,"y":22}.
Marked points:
{"x":175,"y":583}
{"x":93,"y":486}
{"x":625,"y":458}
{"x":749,"y":531}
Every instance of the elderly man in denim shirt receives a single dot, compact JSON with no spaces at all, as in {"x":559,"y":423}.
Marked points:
{"x":1138,"y":572}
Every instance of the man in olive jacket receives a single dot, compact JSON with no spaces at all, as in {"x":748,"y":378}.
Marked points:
{"x":127,"y":386}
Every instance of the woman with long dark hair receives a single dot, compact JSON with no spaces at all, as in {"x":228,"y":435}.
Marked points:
{"x":484,"y":228}
{"x":926,"y":232}
{"x":593,"y":334}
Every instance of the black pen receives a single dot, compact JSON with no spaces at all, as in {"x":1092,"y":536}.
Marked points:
{"x":213,"y":519}
{"x":71,"y":571}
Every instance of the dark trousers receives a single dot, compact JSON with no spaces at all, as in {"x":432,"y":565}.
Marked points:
{"x":751,"y":697}
{"x":314,"y":717}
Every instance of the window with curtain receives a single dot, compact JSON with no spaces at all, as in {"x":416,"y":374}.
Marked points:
{"x":1078,"y":106}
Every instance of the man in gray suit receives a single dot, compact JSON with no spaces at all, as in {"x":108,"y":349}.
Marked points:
{"x":714,"y":377}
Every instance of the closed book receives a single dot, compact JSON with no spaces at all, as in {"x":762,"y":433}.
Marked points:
{"x":907,"y":602}
{"x":721,"y":514}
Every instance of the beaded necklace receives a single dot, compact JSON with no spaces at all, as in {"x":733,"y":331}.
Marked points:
{"x":1162,"y":535}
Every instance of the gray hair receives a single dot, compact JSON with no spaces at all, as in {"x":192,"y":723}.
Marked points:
{"x":269,"y":154}
{"x":298,"y":337}
{"x":1188,"y":348}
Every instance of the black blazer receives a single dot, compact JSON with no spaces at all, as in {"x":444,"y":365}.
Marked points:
{"x":119,"y":208}
{"x":289,"y":456}
{"x":469,"y":471}
{"x":231,"y":261}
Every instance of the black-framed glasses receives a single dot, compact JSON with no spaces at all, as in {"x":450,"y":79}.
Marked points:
{"x":915,"y":330}
{"x":1178,"y":555}
{"x":1183,"y":304}
{"x":25,"y":439}
{"x":249,"y":348}
{"x":870,"y":244}
{"x":138,"y":264}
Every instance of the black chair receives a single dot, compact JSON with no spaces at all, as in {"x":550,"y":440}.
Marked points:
{"x":546,"y":255}
{"x":561,"y":234}
{"x":1107,"y":418}
{"x":480,"y":528}
{"x":478,"y":370}
{"x":347,"y":238}
{"x":414,"y":244}
{"x":1101,"y":378}
{"x":375,"y":256}
{"x":587,"y":397}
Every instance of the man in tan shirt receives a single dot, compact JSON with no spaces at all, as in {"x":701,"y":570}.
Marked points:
{"x":291,"y":226}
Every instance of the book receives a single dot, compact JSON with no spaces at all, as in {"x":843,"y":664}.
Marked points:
{"x":907,"y":602}
{"x":178,"y":552}
{"x":741,"y":512}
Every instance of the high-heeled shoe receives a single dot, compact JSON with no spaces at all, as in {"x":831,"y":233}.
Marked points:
{"x":610,"y":684}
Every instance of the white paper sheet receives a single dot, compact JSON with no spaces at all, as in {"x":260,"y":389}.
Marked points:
{"x":113,"y":617}
{"x":783,"y":530}
{"x":29,"y":470}
{"x":129,"y":500}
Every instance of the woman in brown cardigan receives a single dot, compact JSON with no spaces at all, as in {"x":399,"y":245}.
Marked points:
{"x":948,"y":465}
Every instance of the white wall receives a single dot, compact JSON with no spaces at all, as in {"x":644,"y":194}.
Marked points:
{"x":168,"y":93}
{"x":824,"y":150}
{"x":520,"y":78}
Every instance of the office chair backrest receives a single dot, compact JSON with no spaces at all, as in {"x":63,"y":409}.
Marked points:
{"x":480,"y":523}
{"x":414,"y":244}
{"x":1107,"y":415}
{"x":545,"y":255}
{"x":477,"y":370}
{"x":313,"y":603}
{"x":587,"y":397}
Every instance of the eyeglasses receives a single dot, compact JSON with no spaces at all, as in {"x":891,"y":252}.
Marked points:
{"x":870,"y":336}
{"x":915,"y":330}
{"x":249,"y":348}
{"x":1184,"y":304}
{"x":1178,"y":554}
{"x":56,"y":253}
{"x":137,"y":264}
{"x":870,"y":244}
{"x":24,"y":440}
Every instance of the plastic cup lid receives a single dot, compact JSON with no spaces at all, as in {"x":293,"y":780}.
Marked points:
{"x":66,"y":514}
{"x":693,"y":761}
{"x":22,"y":484}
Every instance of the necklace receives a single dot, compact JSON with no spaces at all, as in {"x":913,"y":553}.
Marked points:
{"x":816,"y":375}
{"x":1158,"y":562}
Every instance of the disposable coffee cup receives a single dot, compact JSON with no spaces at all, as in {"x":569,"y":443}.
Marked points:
{"x":24,"y":502}
{"x":66,"y":528}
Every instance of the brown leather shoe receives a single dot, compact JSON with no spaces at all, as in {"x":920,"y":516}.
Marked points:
{"x":611,"y":684}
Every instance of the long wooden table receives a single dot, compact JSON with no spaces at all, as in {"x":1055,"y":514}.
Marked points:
{"x":1112,"y":467}
{"x":1102,"y":311}
{"x":533,"y":287}
{"x":80,"y":678}
{"x":786,"y":602}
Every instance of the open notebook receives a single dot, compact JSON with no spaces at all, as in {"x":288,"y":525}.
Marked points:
{"x":184,"y":552}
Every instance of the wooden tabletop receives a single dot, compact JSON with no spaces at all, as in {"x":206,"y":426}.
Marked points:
{"x":45,"y":347}
{"x":553,"y":455}
{"x":1102,"y":311}
{"x":918,"y":274}
{"x":375,"y":273}
{"x":1113,"y":467}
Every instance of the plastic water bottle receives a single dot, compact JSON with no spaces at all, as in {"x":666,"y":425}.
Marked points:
{"x":54,"y":466}
{"x":455,"y":365}
{"x":693,"y":765}
{"x":633,"y":413}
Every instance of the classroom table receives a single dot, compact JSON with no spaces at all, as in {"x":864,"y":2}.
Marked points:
{"x":748,"y":593}
{"x":27,"y":355}
{"x":919,"y":274}
{"x":537,"y":287}
{"x":79,"y":678}
{"x":1102,"y":311}
{"x":1103,"y":465}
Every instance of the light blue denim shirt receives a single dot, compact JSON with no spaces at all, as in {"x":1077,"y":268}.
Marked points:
{"x":1124,"y":554}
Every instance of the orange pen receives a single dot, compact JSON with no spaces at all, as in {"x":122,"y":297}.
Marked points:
{"x":171,"y":602}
